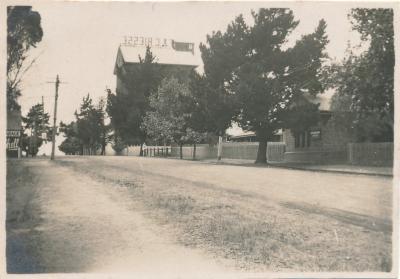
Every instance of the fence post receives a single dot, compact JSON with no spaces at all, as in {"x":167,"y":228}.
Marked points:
{"x":350,"y":153}
{"x":219,"y":156}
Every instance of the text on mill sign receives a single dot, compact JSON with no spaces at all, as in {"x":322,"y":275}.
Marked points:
{"x":138,"y":41}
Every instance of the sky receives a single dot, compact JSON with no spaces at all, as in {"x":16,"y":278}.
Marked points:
{"x":81,"y":40}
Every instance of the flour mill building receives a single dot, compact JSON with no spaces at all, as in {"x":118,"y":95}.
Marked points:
{"x":174,"y":58}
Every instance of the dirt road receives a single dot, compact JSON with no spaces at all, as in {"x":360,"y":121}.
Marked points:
{"x":359,"y":194}
{"x":84,"y":226}
{"x":129,"y":214}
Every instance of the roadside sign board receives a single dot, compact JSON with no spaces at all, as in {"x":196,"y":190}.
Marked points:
{"x":13,"y":139}
{"x":316,"y":134}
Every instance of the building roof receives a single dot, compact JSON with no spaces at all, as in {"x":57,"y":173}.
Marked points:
{"x":244,"y":134}
{"x":235,"y":132}
{"x":167,"y":56}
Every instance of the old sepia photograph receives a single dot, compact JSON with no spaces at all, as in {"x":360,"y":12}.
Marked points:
{"x":201,"y":139}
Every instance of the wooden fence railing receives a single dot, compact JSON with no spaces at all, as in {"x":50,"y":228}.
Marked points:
{"x":157,"y":151}
{"x":276,"y":151}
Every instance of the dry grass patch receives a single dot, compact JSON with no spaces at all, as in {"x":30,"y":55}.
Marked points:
{"x":261,"y":235}
{"x":173,"y":204}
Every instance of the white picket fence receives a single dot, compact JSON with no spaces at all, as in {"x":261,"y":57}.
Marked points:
{"x":230,"y":150}
{"x":378,"y":154}
{"x":157,"y":151}
{"x":372,"y":154}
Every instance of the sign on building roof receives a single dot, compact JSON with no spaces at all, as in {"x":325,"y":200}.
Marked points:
{"x":166,"y":51}
{"x":139,"y":41}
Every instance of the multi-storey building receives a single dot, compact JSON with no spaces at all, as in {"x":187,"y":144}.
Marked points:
{"x":174,"y":58}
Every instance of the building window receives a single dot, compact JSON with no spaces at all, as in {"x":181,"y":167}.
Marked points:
{"x":302,"y":140}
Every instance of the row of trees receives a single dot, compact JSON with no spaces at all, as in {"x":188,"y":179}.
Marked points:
{"x":88,"y":133}
{"x":252,"y":77}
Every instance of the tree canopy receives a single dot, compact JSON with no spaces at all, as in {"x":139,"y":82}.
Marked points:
{"x":24,"y":31}
{"x":36,"y":125}
{"x":169,"y":118}
{"x":364,"y":83}
{"x":257,"y":77}
{"x":89,"y":132}
{"x":165,"y":122}
{"x":71,"y":145}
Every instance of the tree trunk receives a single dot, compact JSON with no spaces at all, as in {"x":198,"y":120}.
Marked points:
{"x":141,"y":150}
{"x":103,"y":143}
{"x":262,"y":146}
{"x":103,"y":148}
{"x":219,"y":156}
{"x":194,"y":151}
{"x":262,"y":152}
{"x":180,"y":150}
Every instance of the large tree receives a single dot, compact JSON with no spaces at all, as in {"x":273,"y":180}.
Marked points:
{"x":211,"y":107}
{"x":37,"y":129}
{"x":127,"y":109}
{"x":167,"y":121}
{"x":24,"y":31}
{"x":71,"y":145}
{"x":263,"y":76}
{"x":213,"y":104}
{"x":91,"y":129}
{"x":364,"y":83}
{"x":88,"y":133}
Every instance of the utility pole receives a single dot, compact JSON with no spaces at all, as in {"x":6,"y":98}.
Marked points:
{"x":53,"y":137}
{"x":43,"y":130}
{"x":34,"y":137}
